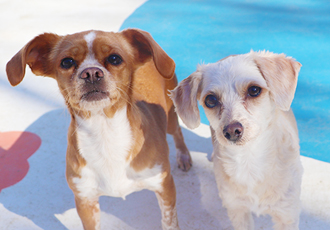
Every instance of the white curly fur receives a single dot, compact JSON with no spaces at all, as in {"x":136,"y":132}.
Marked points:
{"x":261,"y":172}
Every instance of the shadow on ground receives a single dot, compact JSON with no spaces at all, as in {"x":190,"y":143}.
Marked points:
{"x":44,"y":193}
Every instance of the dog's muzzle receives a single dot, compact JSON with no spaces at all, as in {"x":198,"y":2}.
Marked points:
{"x":94,"y":88}
{"x":92,"y":75}
{"x":233,"y":132}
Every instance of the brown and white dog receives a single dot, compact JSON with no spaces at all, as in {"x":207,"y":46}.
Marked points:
{"x":247,"y":101}
{"x":115,"y":86}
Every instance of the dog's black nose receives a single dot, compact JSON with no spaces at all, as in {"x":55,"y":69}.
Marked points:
{"x":92,"y":74}
{"x":234,"y":131}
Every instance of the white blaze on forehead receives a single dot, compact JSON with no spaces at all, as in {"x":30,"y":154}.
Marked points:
{"x":90,"y":60}
{"x":90,"y":39}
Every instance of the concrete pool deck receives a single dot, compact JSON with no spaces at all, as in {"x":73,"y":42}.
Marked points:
{"x":34,"y":119}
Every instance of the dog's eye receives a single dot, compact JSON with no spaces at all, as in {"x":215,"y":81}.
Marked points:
{"x":211,"y":101}
{"x":115,"y":59}
{"x":254,"y":91}
{"x":67,"y":63}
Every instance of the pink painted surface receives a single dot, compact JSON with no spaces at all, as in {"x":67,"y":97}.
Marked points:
{"x":15,"y":149}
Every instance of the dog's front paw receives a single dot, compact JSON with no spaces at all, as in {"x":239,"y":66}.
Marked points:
{"x":184,"y":160}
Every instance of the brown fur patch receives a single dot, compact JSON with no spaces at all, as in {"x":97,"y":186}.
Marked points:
{"x":36,"y":55}
{"x":141,"y":82}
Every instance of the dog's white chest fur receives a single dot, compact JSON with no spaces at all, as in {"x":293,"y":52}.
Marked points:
{"x":259,"y":179}
{"x":246,"y":165}
{"x":105,"y":144}
{"x":247,"y":169}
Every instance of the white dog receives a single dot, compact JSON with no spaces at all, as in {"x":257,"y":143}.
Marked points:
{"x":247,"y":101}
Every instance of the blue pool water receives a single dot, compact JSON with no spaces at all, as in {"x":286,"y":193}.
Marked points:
{"x":203,"y":31}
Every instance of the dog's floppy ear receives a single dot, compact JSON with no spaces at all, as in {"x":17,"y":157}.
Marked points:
{"x":147,"y":47}
{"x":281,"y":75}
{"x":185,"y":97}
{"x":36,"y":55}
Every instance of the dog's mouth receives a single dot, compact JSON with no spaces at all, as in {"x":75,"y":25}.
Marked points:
{"x":94,"y":95}
{"x":239,"y":142}
{"x":224,"y":141}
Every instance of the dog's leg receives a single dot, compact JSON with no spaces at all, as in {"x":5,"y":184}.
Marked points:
{"x":167,"y":203}
{"x":182,"y":155}
{"x":89,"y":213}
{"x":286,"y":212}
{"x":241,"y":218}
{"x":286,"y":221}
